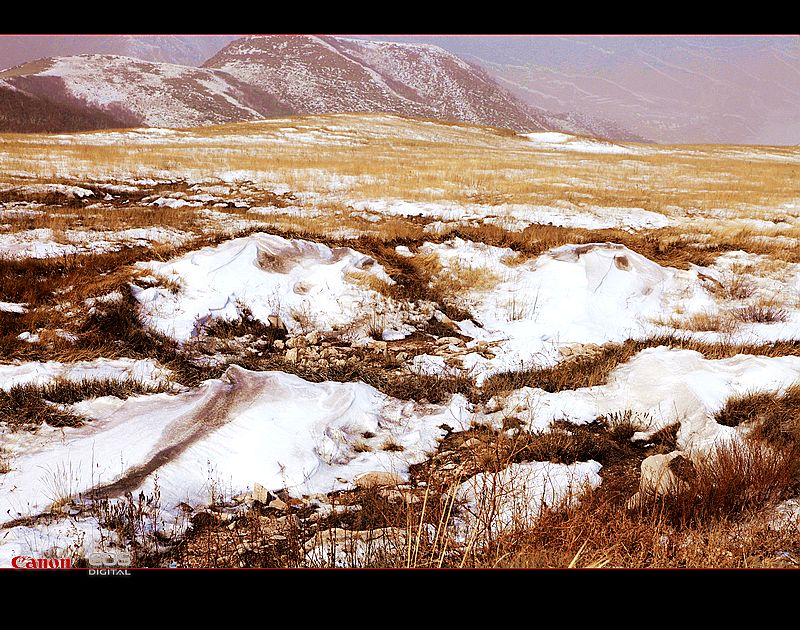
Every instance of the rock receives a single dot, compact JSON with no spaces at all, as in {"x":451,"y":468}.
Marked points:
{"x":276,"y":322}
{"x":395,"y":495}
{"x":449,"y":340}
{"x":278,"y":344}
{"x":377,"y":346}
{"x":277,"y":504}
{"x":313,"y":338}
{"x":291,"y":355}
{"x":377,"y":478}
{"x":296,"y":342}
{"x":260,"y":493}
{"x":202,"y":520}
{"x":657,"y":478}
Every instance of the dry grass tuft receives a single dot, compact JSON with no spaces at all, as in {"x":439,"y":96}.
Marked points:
{"x":774,"y":418}
{"x":761,"y":314}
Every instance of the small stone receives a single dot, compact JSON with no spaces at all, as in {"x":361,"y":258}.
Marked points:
{"x":278,"y":344}
{"x":277,"y":504}
{"x":377,"y":478}
{"x":260,"y":493}
{"x":291,"y":355}
{"x":313,"y":338}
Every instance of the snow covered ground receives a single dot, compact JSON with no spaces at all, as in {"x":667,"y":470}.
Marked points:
{"x":580,"y":294}
{"x":145,"y":371}
{"x":309,"y":285}
{"x":660,"y":386}
{"x":516,"y":217}
{"x":270,"y":428}
{"x":44,"y":243}
{"x":279,"y":431}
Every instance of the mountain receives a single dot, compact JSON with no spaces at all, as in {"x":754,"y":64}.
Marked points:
{"x":688,"y":89}
{"x":329,"y":74}
{"x":186,"y":50}
{"x":108,"y":90}
{"x":266,"y":76}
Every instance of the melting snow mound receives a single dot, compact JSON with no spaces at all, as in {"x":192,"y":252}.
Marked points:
{"x":267,"y":427}
{"x":309,"y":285}
{"x":591,"y":293}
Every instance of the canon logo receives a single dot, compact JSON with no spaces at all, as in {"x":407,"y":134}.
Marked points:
{"x":26,"y":562}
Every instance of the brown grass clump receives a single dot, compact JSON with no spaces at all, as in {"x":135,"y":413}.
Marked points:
{"x":735,"y":481}
{"x":761,"y":314}
{"x":707,"y":322}
{"x":773,"y":418}
{"x":28,"y":406}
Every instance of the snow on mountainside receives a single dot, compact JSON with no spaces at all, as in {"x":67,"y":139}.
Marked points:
{"x":141,"y":92}
{"x":327,"y":75}
{"x":266,"y":76}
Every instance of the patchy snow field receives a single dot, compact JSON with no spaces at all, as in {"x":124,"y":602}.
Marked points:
{"x":483,"y":252}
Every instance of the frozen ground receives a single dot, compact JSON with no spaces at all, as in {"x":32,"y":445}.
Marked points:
{"x":226,"y":436}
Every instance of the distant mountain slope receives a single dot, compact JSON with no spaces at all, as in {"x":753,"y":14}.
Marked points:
{"x":266,"y":76}
{"x":188,"y":50}
{"x":670,"y":89}
{"x":153,"y":94}
{"x":327,"y":74}
{"x":22,"y":112}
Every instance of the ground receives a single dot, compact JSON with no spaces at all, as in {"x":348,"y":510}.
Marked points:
{"x":378,"y":341}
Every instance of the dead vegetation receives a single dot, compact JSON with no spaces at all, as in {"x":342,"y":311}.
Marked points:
{"x":31,"y":405}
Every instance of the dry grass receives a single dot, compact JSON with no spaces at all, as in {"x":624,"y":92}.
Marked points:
{"x":707,"y":322}
{"x":381,"y":158}
{"x":773,"y":418}
{"x":717,"y":519}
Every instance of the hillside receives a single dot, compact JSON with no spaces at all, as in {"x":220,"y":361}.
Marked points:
{"x":330,"y":75}
{"x":152,"y":94}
